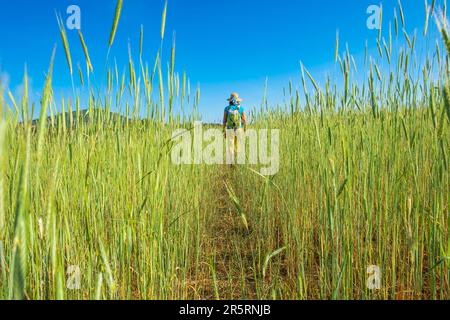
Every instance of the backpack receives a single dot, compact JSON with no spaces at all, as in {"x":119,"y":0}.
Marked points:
{"x":234,"y":118}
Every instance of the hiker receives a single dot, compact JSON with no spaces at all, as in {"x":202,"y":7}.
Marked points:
{"x":234,"y":126}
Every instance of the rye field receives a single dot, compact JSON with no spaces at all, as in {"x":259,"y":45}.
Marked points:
{"x":93,"y":207}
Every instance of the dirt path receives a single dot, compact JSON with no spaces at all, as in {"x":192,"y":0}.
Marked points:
{"x":227,"y":262}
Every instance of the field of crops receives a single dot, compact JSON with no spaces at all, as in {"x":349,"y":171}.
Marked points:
{"x":92,"y":206}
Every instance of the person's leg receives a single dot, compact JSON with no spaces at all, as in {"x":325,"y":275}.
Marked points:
{"x":240,"y":146}
{"x":230,"y":145}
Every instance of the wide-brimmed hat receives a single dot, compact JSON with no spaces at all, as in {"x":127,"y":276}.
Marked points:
{"x":234,"y":96}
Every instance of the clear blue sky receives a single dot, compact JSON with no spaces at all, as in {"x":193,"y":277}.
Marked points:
{"x":225,"y":46}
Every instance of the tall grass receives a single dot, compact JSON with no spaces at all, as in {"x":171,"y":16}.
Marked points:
{"x":115,"y":23}
{"x":363,"y":181}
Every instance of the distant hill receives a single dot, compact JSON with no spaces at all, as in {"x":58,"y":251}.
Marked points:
{"x":84,"y":116}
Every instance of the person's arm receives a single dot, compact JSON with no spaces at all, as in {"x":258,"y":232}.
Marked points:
{"x":244,"y":121}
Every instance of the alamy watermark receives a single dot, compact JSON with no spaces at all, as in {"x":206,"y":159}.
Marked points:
{"x":375,"y":15}
{"x":73,"y":277}
{"x":73,"y":21}
{"x":199,"y":146}
{"x":374,"y":278}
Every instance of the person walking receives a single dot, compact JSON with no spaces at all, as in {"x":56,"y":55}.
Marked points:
{"x":234,"y":126}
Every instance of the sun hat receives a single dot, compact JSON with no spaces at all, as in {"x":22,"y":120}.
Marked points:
{"x":235,"y":96}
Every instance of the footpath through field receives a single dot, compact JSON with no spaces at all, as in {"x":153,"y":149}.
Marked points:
{"x":227,"y":268}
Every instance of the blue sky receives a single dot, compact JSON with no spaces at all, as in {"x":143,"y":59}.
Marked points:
{"x":224,"y":46}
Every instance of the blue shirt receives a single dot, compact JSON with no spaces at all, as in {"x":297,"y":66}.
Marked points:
{"x":234,"y":108}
